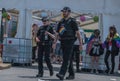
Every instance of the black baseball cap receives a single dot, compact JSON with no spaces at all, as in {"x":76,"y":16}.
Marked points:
{"x":66,"y":9}
{"x":45,"y":19}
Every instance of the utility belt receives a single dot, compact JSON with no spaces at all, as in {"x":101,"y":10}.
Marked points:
{"x":67,"y":38}
{"x":45,"y":43}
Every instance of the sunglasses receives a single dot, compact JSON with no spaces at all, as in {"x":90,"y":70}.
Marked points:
{"x":64,"y":11}
{"x":44,"y":21}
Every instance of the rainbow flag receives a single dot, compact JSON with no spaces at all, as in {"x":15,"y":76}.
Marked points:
{"x":91,"y":37}
{"x":62,"y":30}
{"x":89,"y":44}
{"x":116,"y":38}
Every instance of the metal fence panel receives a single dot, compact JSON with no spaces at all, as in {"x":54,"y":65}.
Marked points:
{"x":17,"y":50}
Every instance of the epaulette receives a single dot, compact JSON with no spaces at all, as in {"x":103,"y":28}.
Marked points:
{"x":41,"y":27}
{"x":62,"y":20}
{"x":71,"y":19}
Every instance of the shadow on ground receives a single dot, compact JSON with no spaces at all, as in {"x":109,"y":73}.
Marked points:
{"x":84,"y":71}
{"x":46,"y":78}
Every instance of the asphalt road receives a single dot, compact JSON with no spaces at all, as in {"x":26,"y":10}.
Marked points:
{"x":28,"y":74}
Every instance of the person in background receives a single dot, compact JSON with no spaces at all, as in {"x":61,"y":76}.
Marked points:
{"x":112,"y":44}
{"x":86,"y":39}
{"x":58,"y":52}
{"x":77,"y":52}
{"x":66,"y":31}
{"x":44,"y":39}
{"x":119,"y":65}
{"x":34,"y":43}
{"x":93,"y":49}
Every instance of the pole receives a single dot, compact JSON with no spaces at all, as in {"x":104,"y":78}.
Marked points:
{"x":1,"y":28}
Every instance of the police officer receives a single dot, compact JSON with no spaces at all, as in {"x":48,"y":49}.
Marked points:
{"x":66,"y":31}
{"x":44,"y":38}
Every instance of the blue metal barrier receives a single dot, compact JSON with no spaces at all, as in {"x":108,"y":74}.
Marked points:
{"x":17,"y":50}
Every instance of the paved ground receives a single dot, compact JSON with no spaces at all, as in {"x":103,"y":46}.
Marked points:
{"x":28,"y":74}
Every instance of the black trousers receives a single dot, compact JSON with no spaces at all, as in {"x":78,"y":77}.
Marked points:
{"x":67,"y":47}
{"x":76,"y":53}
{"x":108,"y":53}
{"x":34,"y":52}
{"x":44,"y":51}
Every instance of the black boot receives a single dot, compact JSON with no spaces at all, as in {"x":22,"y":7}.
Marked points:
{"x":51,"y":73}
{"x":70,"y":77}
{"x":39,"y":75}
{"x":61,"y":77}
{"x":107,"y":71}
{"x":111,"y":72}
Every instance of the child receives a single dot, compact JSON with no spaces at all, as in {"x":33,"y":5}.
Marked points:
{"x":94,"y":49}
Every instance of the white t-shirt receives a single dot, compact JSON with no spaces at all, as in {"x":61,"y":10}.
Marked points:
{"x":77,"y":41}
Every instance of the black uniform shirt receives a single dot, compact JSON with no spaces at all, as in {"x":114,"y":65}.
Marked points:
{"x":41,"y":33}
{"x":67,"y":29}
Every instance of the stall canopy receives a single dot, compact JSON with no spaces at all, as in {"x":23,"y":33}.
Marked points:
{"x":76,"y":5}
{"x":25,"y":7}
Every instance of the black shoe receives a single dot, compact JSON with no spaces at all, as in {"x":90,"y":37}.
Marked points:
{"x":70,"y":77}
{"x":111,"y":72}
{"x":107,"y":71}
{"x":51,"y":73}
{"x":36,"y":60}
{"x":61,"y":77}
{"x":78,"y":70}
{"x":39,"y":75}
{"x":33,"y":61}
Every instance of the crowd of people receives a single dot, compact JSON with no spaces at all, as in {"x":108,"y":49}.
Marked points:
{"x":66,"y":44}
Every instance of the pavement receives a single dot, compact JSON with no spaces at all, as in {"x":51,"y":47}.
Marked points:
{"x":28,"y":73}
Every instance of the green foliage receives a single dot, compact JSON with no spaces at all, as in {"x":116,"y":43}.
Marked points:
{"x":4,"y":15}
{"x":96,"y":18}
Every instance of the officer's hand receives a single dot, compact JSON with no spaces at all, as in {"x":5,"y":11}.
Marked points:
{"x":46,"y":32}
{"x":37,"y":40}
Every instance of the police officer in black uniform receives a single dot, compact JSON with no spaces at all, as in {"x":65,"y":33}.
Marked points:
{"x":44,"y":39}
{"x":66,"y":31}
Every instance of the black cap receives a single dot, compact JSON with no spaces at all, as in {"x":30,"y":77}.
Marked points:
{"x":66,"y":9}
{"x":45,"y":19}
